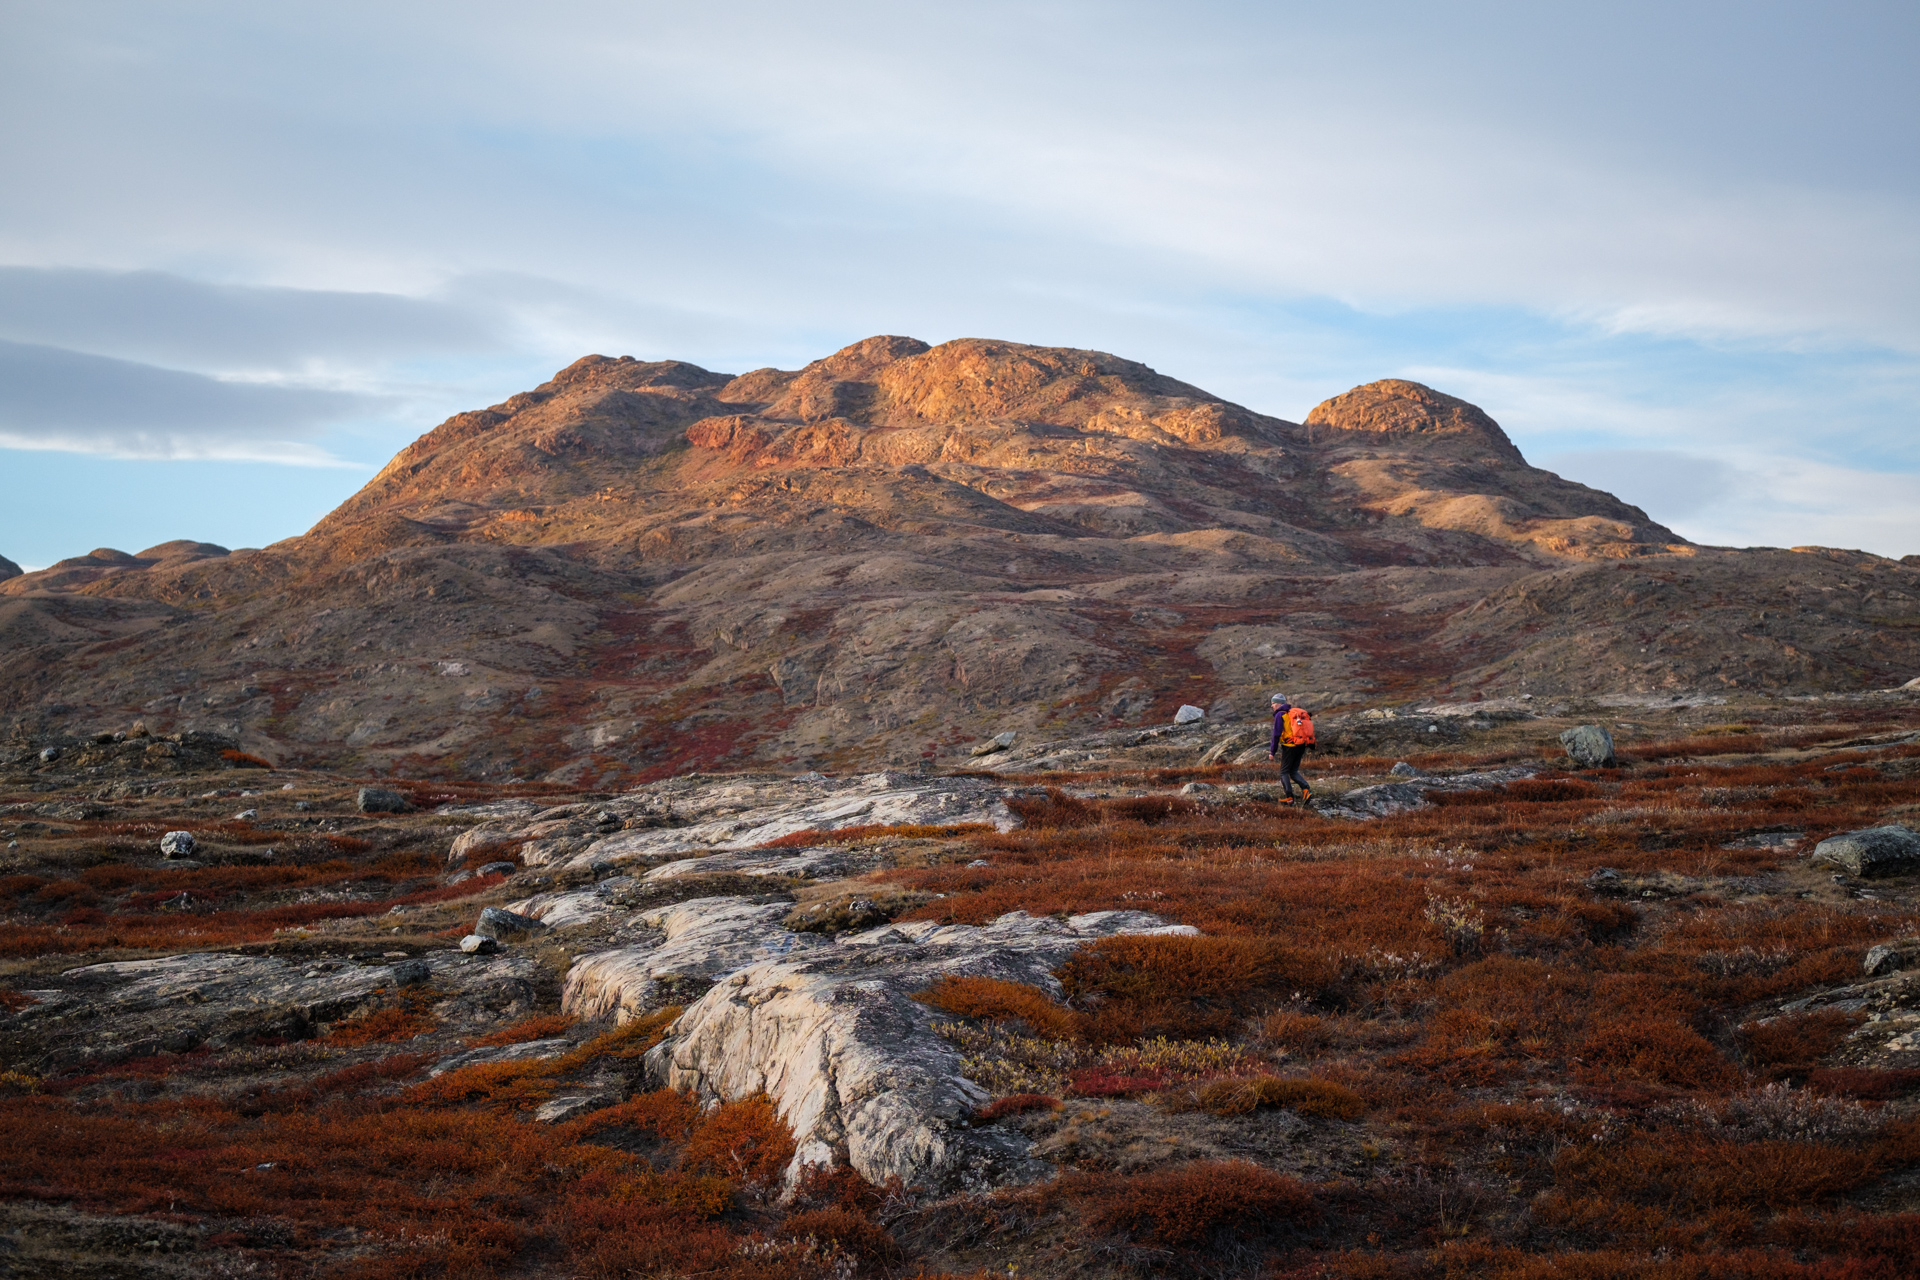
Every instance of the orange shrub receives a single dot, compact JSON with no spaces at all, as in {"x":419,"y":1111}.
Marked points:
{"x":746,"y":1142}
{"x":1300,"y":1031}
{"x":846,"y":1233}
{"x":1307,"y":1097}
{"x":540,"y":1026}
{"x":664,"y":1113}
{"x":847,"y":835}
{"x":997,"y":1000}
{"x":383,"y":1026}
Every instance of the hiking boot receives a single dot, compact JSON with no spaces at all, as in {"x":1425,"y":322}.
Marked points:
{"x":1284,"y":800}
{"x":1306,"y":798}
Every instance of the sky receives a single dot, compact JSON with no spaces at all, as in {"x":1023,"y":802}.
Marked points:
{"x":248,"y":252}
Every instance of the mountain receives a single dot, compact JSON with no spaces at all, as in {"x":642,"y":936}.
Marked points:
{"x":640,"y":568}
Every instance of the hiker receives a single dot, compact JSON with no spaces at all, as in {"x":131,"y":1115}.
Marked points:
{"x":1292,"y":735}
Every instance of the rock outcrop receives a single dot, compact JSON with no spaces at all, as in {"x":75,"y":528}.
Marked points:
{"x":832,"y":1033}
{"x":137,"y":1008}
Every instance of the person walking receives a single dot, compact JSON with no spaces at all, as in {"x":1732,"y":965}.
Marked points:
{"x":1292,"y":735}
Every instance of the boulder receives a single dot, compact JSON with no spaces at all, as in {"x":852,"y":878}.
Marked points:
{"x":1188,"y":713}
{"x":1877,"y":851}
{"x":999,"y":742}
{"x":1401,"y":769}
{"x":1589,"y":746}
{"x":1892,"y":957}
{"x":503,"y":926}
{"x":832,"y":1033}
{"x":475,"y":944}
{"x":178,"y":844}
{"x":382,"y":800}
{"x":1197,"y":788}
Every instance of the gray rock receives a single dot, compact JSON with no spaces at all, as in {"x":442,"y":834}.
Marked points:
{"x":246,"y":815}
{"x":1402,"y":769}
{"x":495,"y":869}
{"x":136,"y":1008}
{"x":999,"y":742}
{"x":178,"y":844}
{"x":569,"y":1105}
{"x":1589,"y":746}
{"x":1877,"y":851}
{"x":504,"y":926}
{"x":382,"y":800}
{"x":830,"y":1029}
{"x":1188,"y":713}
{"x":475,"y":944}
{"x":49,"y":754}
{"x":742,"y":812}
{"x":1197,"y":788}
{"x":1892,"y":957}
{"x":529,"y":1051}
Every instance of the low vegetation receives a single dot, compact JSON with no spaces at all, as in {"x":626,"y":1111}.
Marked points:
{"x":1565,"y":1027}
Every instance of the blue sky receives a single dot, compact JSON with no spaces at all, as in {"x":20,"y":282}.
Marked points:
{"x":247,"y":252}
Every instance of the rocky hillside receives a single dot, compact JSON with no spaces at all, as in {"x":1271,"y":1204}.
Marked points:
{"x":640,"y":568}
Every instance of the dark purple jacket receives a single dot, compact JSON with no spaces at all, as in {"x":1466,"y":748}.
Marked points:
{"x":1279,"y":714}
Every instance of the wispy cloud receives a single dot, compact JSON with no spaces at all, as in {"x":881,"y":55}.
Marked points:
{"x":53,"y":399}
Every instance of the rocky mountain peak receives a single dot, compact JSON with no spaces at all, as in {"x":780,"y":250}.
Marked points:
{"x":1395,"y":407}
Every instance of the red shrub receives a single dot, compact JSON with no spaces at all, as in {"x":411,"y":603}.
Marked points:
{"x":1183,"y":986}
{"x":1695,"y":1174}
{"x":1181,"y":1208}
{"x":1663,"y":1052}
{"x":1797,"y":1039}
{"x":1055,"y":810}
{"x":1865,"y":1083}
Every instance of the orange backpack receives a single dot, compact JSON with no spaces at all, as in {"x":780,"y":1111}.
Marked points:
{"x":1296,"y":730}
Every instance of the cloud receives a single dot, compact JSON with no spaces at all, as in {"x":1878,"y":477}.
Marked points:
{"x":66,"y":400}
{"x":1665,"y":484}
{"x":161,"y":318}
{"x":1757,"y":499}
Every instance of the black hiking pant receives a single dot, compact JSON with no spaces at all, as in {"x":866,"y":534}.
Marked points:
{"x":1290,"y":758}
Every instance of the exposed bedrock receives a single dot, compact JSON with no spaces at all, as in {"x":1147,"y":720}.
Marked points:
{"x":829,"y":1028}
{"x":704,"y":814}
{"x":136,"y":1008}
